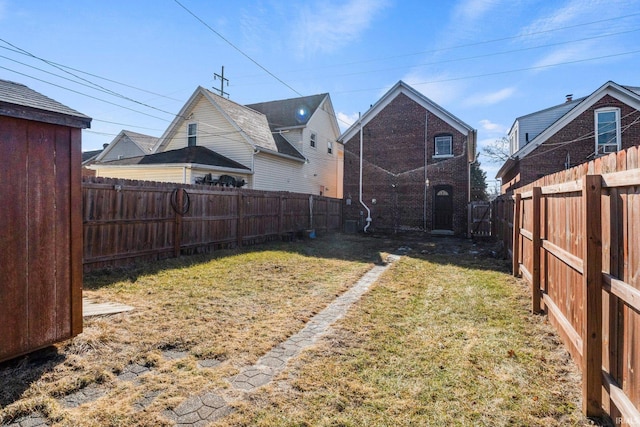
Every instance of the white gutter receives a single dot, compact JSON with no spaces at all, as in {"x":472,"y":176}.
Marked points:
{"x":361,"y":202}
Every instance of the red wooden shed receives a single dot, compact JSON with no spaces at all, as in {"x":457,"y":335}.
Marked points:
{"x":40,"y":220}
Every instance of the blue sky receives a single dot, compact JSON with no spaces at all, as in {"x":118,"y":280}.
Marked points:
{"x":133,"y":64}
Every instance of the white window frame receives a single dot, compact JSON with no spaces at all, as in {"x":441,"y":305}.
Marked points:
{"x":190,"y":126}
{"x":329,"y":147}
{"x":313,"y":140}
{"x":610,"y":147}
{"x":435,"y":146}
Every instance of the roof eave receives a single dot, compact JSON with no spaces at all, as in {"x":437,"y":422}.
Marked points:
{"x":275,"y":153}
{"x":37,"y":114}
{"x":506,"y":166}
{"x":172,"y":166}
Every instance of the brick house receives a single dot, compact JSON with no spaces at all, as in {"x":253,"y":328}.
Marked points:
{"x":413,"y":173}
{"x":565,"y":135}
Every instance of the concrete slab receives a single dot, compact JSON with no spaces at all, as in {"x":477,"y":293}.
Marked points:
{"x":90,"y":308}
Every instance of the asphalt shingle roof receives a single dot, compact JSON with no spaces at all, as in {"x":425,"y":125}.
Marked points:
{"x":196,"y":154}
{"x":18,"y":95}
{"x":289,"y":112}
{"x":253,"y":123}
{"x":144,"y":142}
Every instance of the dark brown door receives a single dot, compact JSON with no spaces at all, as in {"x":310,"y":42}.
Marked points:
{"x":443,"y":208}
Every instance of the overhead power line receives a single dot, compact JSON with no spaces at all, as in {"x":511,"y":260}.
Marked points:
{"x":460,"y":46}
{"x":497,"y":73}
{"x":95,"y":75}
{"x":236,"y":48}
{"x":82,"y":93}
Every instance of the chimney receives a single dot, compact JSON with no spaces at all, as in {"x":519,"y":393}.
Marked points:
{"x":104,"y":146}
{"x":570,"y":97}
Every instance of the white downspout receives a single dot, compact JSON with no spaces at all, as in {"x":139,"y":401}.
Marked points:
{"x":361,"y":202}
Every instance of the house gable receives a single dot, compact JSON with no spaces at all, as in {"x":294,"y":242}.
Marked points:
{"x":402,"y":88}
{"x":570,"y":140}
{"x":528,"y":127}
{"x":610,"y":88}
{"x":402,"y":173}
{"x":128,"y":144}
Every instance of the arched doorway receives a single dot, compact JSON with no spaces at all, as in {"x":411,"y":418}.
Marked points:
{"x":443,"y":208}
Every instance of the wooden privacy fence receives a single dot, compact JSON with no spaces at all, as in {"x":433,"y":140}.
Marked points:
{"x":576,"y":241}
{"x":129,"y":221}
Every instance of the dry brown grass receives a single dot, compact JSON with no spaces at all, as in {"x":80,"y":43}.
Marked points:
{"x":232,"y":306}
{"x":440,"y":340}
{"x":433,"y":343}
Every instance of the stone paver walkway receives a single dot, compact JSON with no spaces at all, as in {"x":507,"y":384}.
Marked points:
{"x":201,"y":410}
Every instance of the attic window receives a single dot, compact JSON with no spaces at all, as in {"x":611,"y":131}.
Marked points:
{"x":329,"y":147}
{"x":312,"y":140}
{"x":192,"y":132}
{"x":443,"y":146}
{"x":607,"y":121}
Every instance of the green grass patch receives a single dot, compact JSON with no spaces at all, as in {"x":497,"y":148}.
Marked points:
{"x":437,"y":341}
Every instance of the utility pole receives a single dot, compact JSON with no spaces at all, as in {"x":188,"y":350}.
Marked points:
{"x":220,"y":76}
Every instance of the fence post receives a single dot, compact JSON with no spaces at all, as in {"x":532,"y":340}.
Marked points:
{"x":505,"y":226}
{"x":280,"y":214}
{"x":177,"y":238}
{"x":494,"y":206}
{"x":592,"y":304}
{"x":536,"y":295}
{"x":240,"y":224}
{"x":515,"y":262}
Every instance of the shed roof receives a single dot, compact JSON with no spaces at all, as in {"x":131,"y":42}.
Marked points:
{"x":18,"y":100}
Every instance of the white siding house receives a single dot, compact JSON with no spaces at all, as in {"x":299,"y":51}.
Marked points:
{"x":526,"y":128}
{"x":267,"y":145}
{"x":127,"y":144}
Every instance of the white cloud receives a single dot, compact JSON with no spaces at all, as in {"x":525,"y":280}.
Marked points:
{"x":571,"y":13}
{"x":568,"y":54}
{"x":324,"y":26}
{"x":346,"y":120}
{"x":560,"y":17}
{"x":491,"y":98}
{"x":492,"y":128}
{"x":472,"y":10}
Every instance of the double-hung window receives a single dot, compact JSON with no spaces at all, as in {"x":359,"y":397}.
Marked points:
{"x":608,"y":137}
{"x":312,"y":140}
{"x":192,"y":133}
{"x":329,"y":147}
{"x":443,"y":146}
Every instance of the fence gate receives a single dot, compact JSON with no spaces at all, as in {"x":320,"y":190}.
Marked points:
{"x":479,"y":219}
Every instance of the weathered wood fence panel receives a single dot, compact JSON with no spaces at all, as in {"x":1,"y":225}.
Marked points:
{"x":479,"y":219}
{"x":129,"y":221}
{"x":576,"y":240}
